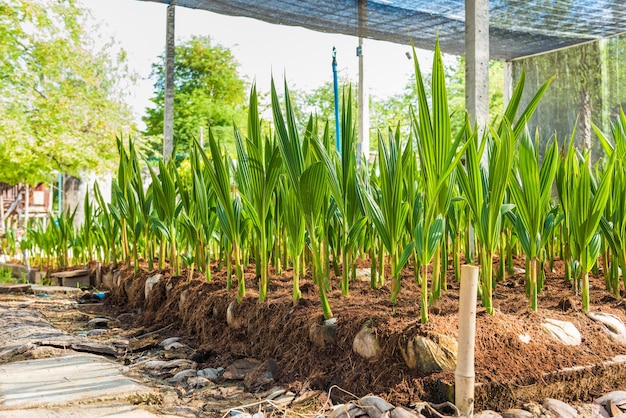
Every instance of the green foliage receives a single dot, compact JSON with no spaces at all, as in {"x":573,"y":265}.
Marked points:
{"x":208,"y":93}
{"x":63,"y":99}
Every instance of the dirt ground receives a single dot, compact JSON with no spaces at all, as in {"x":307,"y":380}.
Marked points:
{"x":278,"y":330}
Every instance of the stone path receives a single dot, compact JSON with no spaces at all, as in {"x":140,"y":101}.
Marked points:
{"x":46,"y":372}
{"x":55,"y":386}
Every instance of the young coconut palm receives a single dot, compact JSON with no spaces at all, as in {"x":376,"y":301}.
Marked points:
{"x":341,"y":169}
{"x":438,"y":155}
{"x":614,"y":226}
{"x":168,"y":206}
{"x":387,"y":208}
{"x":531,"y":188}
{"x":257,"y":175}
{"x":229,"y":207}
{"x":309,"y":185}
{"x":484,"y":189}
{"x":586,"y":204}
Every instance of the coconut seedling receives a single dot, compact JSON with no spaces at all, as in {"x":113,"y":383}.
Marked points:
{"x":257,"y":175}
{"x":484,"y":190}
{"x":439,"y":154}
{"x":341,"y":169}
{"x":387,"y":207}
{"x":167,"y":206}
{"x":613,"y":225}
{"x":585,"y":199}
{"x":309,"y":184}
{"x":229,"y":207}
{"x":531,"y":189}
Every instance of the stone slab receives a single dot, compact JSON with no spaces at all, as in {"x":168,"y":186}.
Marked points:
{"x":15,"y":288}
{"x":70,"y":273}
{"x":51,"y":290}
{"x":62,"y":380}
{"x":76,"y":281}
{"x":95,"y":411}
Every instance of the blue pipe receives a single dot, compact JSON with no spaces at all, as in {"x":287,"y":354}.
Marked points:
{"x":336,"y":90}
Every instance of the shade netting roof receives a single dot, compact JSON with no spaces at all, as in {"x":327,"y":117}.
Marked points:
{"x":517,"y":27}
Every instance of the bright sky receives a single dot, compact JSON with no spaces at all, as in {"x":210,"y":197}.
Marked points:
{"x":260,"y":48}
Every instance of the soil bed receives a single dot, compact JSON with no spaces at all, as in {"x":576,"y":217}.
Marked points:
{"x":278,"y":330}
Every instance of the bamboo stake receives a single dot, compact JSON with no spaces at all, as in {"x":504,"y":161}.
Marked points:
{"x":464,"y":373}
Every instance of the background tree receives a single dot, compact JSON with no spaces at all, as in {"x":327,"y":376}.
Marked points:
{"x":61,"y":96}
{"x":208,"y":92}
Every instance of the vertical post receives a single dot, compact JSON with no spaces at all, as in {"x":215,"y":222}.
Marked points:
{"x":60,"y":186}
{"x":363,"y":99}
{"x":508,"y":82}
{"x":464,"y":374}
{"x":477,"y":71}
{"x":1,"y":212}
{"x":364,"y":111}
{"x":168,"y":118}
{"x":201,"y":138}
{"x":26,"y":206}
{"x":477,"y":61}
{"x":336,"y":92}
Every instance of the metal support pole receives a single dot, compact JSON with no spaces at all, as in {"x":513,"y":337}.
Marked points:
{"x":363,"y":99}
{"x":336,"y":91}
{"x":168,"y":118}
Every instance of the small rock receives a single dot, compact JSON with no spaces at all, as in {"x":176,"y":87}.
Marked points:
{"x":363,"y":274}
{"x":151,"y":282}
{"x":182,"y":375}
{"x":261,"y":377}
{"x":284,"y":400}
{"x":374,"y":406}
{"x":231,"y":316}
{"x":400,"y":412}
{"x":323,"y":334}
{"x":198,"y":382}
{"x":535,"y":409}
{"x":96,"y":331}
{"x":122,"y":342}
{"x":273,"y":393}
{"x":169,"y":341}
{"x":183,"y":297}
{"x":613,"y":326}
{"x":98,"y":323}
{"x":592,"y":410}
{"x":211,"y":374}
{"x":239,"y":369}
{"x":174,"y":346}
{"x":618,"y":397}
{"x":365,"y":342}
{"x":487,"y":414}
{"x":164,"y":365}
{"x":559,"y":408}
{"x":239,"y":414}
{"x":431,"y":353}
{"x":563,"y":331}
{"x":516,"y":413}
{"x":339,"y":411}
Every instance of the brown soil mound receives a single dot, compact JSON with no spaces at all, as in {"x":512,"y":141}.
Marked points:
{"x":279,"y":330}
